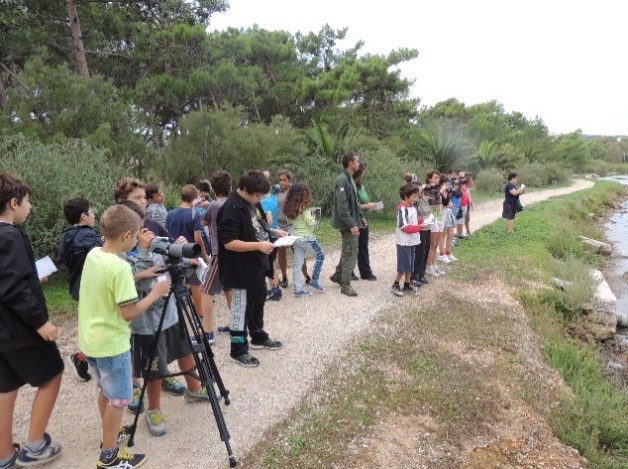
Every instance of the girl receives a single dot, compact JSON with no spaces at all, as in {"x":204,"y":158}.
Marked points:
{"x":300,"y":219}
{"x":433,"y":196}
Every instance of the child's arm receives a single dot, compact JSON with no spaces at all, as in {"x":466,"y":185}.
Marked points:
{"x":406,"y":226}
{"x":133,"y":310}
{"x":309,"y":219}
{"x":247,"y":246}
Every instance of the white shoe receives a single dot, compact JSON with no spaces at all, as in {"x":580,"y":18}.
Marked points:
{"x":444,"y":258}
{"x":452,"y":258}
{"x":433,"y":271}
{"x":439,"y":271}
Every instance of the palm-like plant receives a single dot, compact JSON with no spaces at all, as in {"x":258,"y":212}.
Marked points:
{"x":444,"y":146}
{"x":320,"y":142}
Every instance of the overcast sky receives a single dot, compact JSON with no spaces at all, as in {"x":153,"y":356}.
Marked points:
{"x":558,"y":59}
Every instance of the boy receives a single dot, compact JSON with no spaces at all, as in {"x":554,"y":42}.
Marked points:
{"x":408,"y":237}
{"x":271,"y":207}
{"x":221,"y":185}
{"x":155,"y":209}
{"x":28,"y":353}
{"x":108,"y":300}
{"x":170,"y":347}
{"x":243,"y":250}
{"x":75,"y":243}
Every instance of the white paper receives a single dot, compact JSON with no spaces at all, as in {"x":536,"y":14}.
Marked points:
{"x":45,"y":267}
{"x":285,"y":241}
{"x":378,"y":205}
{"x":430,"y":220}
{"x":201,"y":269}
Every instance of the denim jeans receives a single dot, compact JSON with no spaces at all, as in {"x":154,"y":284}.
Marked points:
{"x":301,"y":248}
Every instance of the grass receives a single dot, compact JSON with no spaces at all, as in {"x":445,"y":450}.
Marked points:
{"x":415,"y":366}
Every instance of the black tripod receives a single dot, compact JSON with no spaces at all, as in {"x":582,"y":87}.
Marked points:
{"x":208,"y":373}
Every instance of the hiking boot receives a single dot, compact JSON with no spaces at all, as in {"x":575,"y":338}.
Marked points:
{"x":196,"y":396}
{"x":336,"y":279}
{"x":354,"y":277}
{"x":270,"y":344}
{"x":48,"y":452}
{"x":317,"y":287}
{"x":135,"y":400}
{"x":274,"y":294}
{"x":284,"y":283}
{"x":155,"y":422}
{"x":302,"y":293}
{"x":246,"y":360}
{"x":123,"y":459}
{"x":11,"y":462}
{"x":79,"y":366}
{"x":347,"y":289}
{"x":396,"y":290}
{"x":173,"y":386}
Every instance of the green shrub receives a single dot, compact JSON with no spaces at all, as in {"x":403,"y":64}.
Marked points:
{"x":533,"y":174}
{"x":579,"y":287}
{"x":489,"y":180}
{"x":56,"y":173}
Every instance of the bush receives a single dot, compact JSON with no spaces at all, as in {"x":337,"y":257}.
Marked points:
{"x":579,"y":287}
{"x":533,"y":174}
{"x":56,"y":173}
{"x":489,"y":180}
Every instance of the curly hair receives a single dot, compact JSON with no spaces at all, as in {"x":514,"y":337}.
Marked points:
{"x":298,"y":199}
{"x":125,"y":186}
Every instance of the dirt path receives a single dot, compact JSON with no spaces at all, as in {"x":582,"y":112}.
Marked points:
{"x":314,"y":331}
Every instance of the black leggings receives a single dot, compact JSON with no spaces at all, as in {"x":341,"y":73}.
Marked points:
{"x":421,"y":253}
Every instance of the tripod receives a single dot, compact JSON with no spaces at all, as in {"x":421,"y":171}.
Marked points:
{"x":203,"y":355}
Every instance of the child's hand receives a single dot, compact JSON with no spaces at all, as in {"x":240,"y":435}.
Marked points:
{"x":162,"y":288}
{"x":181,"y":240}
{"x":48,"y":332}
{"x":266,"y":247}
{"x":152,"y":272}
{"x":145,"y":238}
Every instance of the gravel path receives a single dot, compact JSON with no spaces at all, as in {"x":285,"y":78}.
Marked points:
{"x":314,"y":331}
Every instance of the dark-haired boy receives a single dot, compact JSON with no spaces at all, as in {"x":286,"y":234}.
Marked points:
{"x":28,"y":352}
{"x":243,"y":249}
{"x":75,"y":243}
{"x":155,"y":209}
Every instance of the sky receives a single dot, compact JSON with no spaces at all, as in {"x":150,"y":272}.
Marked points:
{"x":556,"y":59}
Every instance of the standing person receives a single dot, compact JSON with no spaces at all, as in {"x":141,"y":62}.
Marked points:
{"x":108,"y":301}
{"x":243,"y":250}
{"x":155,"y":209}
{"x":510,"y":201}
{"x":364,"y":261}
{"x":300,"y":219}
{"x":449,"y":221}
{"x":28,"y":352}
{"x":467,"y":183}
{"x":271,"y":208}
{"x":433,"y":196}
{"x":347,"y":218}
{"x":280,"y":192}
{"x":422,"y":250}
{"x":75,"y":244}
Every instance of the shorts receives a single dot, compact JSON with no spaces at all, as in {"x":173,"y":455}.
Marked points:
{"x":170,"y":347}
{"x":508,"y":211}
{"x":460,"y":221}
{"x":113,"y":378}
{"x":192,"y":280}
{"x":449,"y":218}
{"x":405,"y":259}
{"x":437,"y":227}
{"x":211,"y":282}
{"x":30,"y":365}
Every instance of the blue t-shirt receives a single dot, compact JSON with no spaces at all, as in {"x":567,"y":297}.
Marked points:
{"x":183,"y":222}
{"x":270,"y":205}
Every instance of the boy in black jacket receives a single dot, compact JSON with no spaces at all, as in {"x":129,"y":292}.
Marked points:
{"x":28,"y":353}
{"x":243,"y":249}
{"x":75,"y":243}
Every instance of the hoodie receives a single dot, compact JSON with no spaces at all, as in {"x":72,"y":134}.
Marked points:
{"x":75,"y":243}
{"x":408,"y":225}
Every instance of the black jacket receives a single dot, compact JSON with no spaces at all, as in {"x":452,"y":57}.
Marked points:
{"x":237,"y":220}
{"x":22,"y":304}
{"x":75,"y":243}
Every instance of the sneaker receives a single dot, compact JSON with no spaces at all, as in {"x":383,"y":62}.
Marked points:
{"x":444,"y":258}
{"x":135,"y":400}
{"x":409,"y":291}
{"x":347,"y":289}
{"x":432,"y":271}
{"x":334,"y":278}
{"x":270,"y":344}
{"x":123,"y":436}
{"x":48,"y":452}
{"x":173,"y":386}
{"x":452,"y":258}
{"x":11,"y":462}
{"x":211,"y":338}
{"x":79,"y":365}
{"x":302,"y":293}
{"x":196,"y":396}
{"x":463,"y":237}
{"x":317,"y":287}
{"x":284,"y":283}
{"x":124,"y":459}
{"x":372,"y":278}
{"x":155,"y":422}
{"x":455,"y":242}
{"x":246,"y":360}
{"x":396,"y":290}
{"x":308,"y":279}
{"x":354,"y":277}
{"x":274,"y":294}
{"x":423,"y":280}
{"x":416,"y":283}
{"x":440,"y":271}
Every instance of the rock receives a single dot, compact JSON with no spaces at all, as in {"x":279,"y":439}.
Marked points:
{"x":596,"y":246}
{"x":560,"y":283}
{"x":599,"y":319}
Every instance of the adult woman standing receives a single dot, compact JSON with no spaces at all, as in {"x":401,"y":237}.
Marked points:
{"x":511,"y":201}
{"x":364,"y":262}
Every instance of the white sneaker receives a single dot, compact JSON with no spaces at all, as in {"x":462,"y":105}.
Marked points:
{"x":452,"y":258}
{"x":444,"y":258}
{"x":433,"y":272}
{"x":439,"y":271}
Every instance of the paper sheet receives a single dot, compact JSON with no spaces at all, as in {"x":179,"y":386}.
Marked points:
{"x":379,"y":205}
{"x":45,"y":267}
{"x":285,"y":241}
{"x":430,"y":220}
{"x":201,"y":269}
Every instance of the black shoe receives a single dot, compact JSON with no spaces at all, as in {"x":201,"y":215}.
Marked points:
{"x":372,"y":278}
{"x":123,"y":458}
{"x":354,"y":277}
{"x":246,"y":360}
{"x":408,"y":290}
{"x":347,"y":289}
{"x":270,"y":344}
{"x":423,"y":280}
{"x":274,"y":294}
{"x":284,"y":283}
{"x":307,"y":279}
{"x":334,"y":278}
{"x":79,"y":366}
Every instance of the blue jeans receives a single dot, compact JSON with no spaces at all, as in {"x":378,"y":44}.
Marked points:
{"x":301,"y":248}
{"x":113,"y":377}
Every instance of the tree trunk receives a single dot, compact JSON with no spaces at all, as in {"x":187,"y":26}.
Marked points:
{"x":77,"y":39}
{"x":3,"y":93}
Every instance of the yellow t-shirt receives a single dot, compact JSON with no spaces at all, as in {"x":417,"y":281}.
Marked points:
{"x":106,"y":284}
